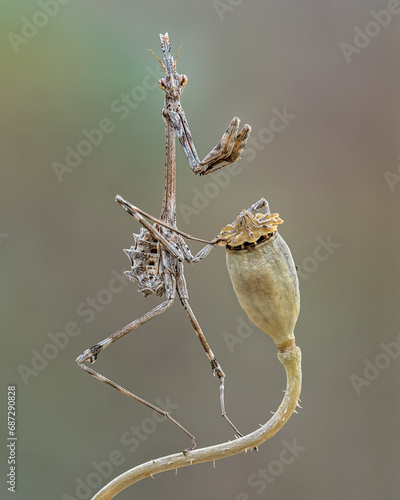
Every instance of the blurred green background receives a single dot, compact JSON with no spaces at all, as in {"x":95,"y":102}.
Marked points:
{"x":331,"y":171}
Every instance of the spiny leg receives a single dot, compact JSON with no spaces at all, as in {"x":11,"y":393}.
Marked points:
{"x":201,"y":254}
{"x":216,"y":368}
{"x":239,"y":144}
{"x":186,"y":253}
{"x":224,"y":147}
{"x":181,"y":126}
{"x":227,"y":151}
{"x":229,"y":148}
{"x":92,"y":353}
{"x":100,"y":377}
{"x":137,"y":212}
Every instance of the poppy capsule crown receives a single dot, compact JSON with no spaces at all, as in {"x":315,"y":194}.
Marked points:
{"x":263,"y":273}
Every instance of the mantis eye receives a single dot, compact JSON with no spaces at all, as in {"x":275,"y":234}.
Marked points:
{"x":183,"y":79}
{"x":162,"y":84}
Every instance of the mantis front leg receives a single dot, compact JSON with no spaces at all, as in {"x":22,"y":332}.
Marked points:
{"x":185,"y":253}
{"x":91,"y":354}
{"x":227,"y":151}
{"x":232,"y":143}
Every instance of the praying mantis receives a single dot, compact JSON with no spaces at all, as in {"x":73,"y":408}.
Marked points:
{"x":159,"y":251}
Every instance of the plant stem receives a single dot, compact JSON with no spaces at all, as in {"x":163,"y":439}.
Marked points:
{"x":291,"y":360}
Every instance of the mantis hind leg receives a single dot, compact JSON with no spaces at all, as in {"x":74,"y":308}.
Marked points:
{"x":91,"y":354}
{"x":215,"y":366}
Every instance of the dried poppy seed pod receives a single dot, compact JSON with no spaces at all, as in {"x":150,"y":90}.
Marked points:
{"x":262,"y":272}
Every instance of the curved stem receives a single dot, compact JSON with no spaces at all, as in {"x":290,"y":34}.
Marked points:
{"x":291,"y":360}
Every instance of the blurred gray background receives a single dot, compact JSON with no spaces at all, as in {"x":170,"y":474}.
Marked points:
{"x":331,"y":170}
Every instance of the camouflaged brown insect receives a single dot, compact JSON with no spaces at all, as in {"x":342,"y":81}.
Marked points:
{"x":159,"y":250}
